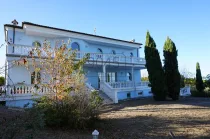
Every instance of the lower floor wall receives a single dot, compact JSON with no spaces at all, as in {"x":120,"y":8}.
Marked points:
{"x":94,"y":75}
{"x":146,"y":93}
{"x":134,"y":94}
{"x":20,"y":103}
{"x":123,"y":95}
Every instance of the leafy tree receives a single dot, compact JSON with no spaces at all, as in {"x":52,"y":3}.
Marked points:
{"x":190,"y":81}
{"x":144,"y":79}
{"x":2,"y":81}
{"x":172,"y":75}
{"x":67,"y":101}
{"x":154,"y":68}
{"x":199,"y":81}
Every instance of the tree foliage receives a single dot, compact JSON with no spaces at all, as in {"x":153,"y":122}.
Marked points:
{"x":199,"y":80}
{"x":67,"y":102}
{"x":2,"y":80}
{"x":172,"y":75}
{"x":154,"y":68}
{"x":144,"y":79}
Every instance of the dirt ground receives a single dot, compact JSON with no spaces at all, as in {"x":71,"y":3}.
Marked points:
{"x":147,"y":119}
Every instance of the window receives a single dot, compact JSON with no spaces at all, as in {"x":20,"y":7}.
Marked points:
{"x":99,"y":50}
{"x":140,"y":93}
{"x":129,"y":95}
{"x":35,"y":77}
{"x":111,"y":77}
{"x":129,"y":76}
{"x":36,"y":43}
{"x":113,"y":52}
{"x":131,"y":54}
{"x":75,"y":46}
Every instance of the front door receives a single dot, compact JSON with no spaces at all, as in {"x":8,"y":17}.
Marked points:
{"x":111,"y":77}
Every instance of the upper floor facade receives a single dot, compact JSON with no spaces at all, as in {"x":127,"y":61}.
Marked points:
{"x":22,"y":39}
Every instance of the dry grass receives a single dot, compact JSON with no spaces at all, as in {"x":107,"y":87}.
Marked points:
{"x":187,"y":118}
{"x":145,"y":118}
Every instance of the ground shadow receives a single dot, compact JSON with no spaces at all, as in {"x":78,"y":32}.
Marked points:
{"x":193,"y":101}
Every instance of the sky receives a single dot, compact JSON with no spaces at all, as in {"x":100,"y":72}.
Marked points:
{"x":186,"y":22}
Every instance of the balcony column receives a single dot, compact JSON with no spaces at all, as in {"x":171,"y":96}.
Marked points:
{"x":104,"y":73}
{"x":132,"y":77}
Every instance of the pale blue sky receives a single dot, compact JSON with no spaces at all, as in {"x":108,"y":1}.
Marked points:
{"x":186,"y":22}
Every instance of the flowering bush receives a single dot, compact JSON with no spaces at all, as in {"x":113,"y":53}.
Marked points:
{"x":67,"y":101}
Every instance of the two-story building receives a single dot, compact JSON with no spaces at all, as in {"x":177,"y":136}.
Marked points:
{"x":114,"y":65}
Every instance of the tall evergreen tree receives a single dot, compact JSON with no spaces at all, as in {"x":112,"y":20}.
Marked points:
{"x":154,"y":68}
{"x":172,"y":75}
{"x":199,"y":81}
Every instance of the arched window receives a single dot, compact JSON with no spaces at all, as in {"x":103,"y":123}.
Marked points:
{"x":131,"y":54}
{"x":129,"y":76}
{"x":113,"y":52}
{"x":99,"y":50}
{"x":36,"y":43}
{"x":35,"y":77}
{"x":75,"y":46}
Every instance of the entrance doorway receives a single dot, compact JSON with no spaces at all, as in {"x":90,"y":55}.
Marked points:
{"x":111,"y":77}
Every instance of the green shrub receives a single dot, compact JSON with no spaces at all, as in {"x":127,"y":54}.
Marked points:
{"x":76,"y":111}
{"x":205,"y":93}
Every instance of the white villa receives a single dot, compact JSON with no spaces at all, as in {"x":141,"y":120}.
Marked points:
{"x":114,"y":65}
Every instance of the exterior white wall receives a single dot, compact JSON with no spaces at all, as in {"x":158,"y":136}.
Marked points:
{"x":18,"y":74}
{"x":22,"y":39}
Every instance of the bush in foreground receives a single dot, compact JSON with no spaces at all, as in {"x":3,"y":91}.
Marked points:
{"x":77,"y":111}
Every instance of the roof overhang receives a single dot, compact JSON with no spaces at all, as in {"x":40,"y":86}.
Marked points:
{"x":51,"y":32}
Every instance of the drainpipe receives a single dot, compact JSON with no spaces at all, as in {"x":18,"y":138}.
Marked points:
{"x":13,"y":49}
{"x":15,"y":23}
{"x":137,"y":52}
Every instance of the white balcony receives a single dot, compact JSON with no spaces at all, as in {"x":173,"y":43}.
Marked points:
{"x":129,"y":84}
{"x":23,"y":50}
{"x":22,"y":91}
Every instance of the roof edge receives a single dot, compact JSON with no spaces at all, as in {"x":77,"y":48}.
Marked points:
{"x":43,"y":26}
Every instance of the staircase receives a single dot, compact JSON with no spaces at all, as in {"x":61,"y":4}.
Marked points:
{"x":106,"y":99}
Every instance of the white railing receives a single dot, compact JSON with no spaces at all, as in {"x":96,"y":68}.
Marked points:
{"x":109,"y":91}
{"x":111,"y":58}
{"x":25,"y":50}
{"x":128,"y":84}
{"x":21,"y":90}
{"x":111,"y":88}
{"x":185,"y":91}
{"x":89,"y":87}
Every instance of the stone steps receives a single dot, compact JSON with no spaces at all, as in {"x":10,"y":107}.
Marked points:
{"x":107,"y":99}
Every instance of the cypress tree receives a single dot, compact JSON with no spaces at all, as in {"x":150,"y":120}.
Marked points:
{"x":199,"y":81}
{"x":172,"y":75}
{"x":154,"y":68}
